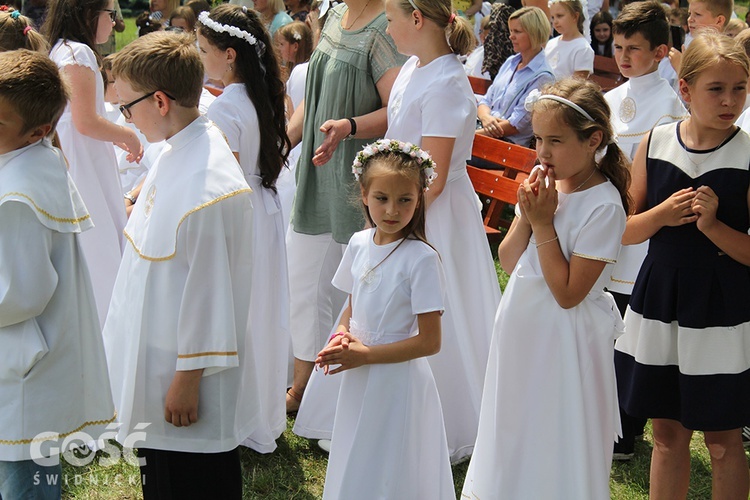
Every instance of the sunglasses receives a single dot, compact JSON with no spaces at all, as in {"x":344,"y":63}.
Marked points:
{"x":112,"y":14}
{"x":125,"y":108}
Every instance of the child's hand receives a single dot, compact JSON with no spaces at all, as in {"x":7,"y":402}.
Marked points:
{"x":704,"y":205}
{"x":675,"y":58}
{"x":181,"y":403}
{"x":132,"y":145}
{"x":351,"y":353}
{"x":677,"y":209}
{"x":539,"y":208}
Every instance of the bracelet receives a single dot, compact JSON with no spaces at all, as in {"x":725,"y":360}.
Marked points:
{"x":129,"y":196}
{"x":545,"y":242}
{"x":353,"y":126}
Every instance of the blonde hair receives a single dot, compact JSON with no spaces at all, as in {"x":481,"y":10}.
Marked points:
{"x":718,"y":8}
{"x":743,"y":40}
{"x":459,"y":32}
{"x":575,"y":8}
{"x":587,"y":95}
{"x":19,"y":33}
{"x":535,"y":23}
{"x":735,"y":24}
{"x":163,"y":60}
{"x":708,"y":49}
{"x":31,"y":83}
{"x":276,"y":6}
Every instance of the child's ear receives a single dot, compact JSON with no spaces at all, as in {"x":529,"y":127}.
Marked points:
{"x":231,"y":55}
{"x":684,"y":90}
{"x":721,"y":21}
{"x":364,"y":195}
{"x":163,"y":102}
{"x":595,"y":140}
{"x":39,"y":133}
{"x":661,"y":52}
{"x":417,"y":18}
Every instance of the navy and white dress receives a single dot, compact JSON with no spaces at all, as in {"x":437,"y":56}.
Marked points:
{"x":686,"y":351}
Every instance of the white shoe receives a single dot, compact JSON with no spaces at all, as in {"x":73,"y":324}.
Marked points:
{"x":325,"y":445}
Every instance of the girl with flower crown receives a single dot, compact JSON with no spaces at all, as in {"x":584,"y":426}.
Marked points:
{"x":236,"y":49}
{"x":388,"y":436}
{"x":549,"y":407}
{"x":569,"y":54}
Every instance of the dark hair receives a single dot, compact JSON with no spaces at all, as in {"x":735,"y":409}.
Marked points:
{"x":647,"y":18}
{"x":146,"y":24}
{"x":30,"y":82}
{"x":602,"y":17}
{"x":404,"y":165}
{"x":586,"y":94}
{"x":198,"y":6}
{"x":186,"y":14}
{"x":74,"y":20}
{"x":257,"y":67}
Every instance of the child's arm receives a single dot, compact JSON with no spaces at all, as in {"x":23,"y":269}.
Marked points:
{"x":517,"y":240}
{"x":732,"y":242}
{"x":88,"y":122}
{"x":355,"y":353}
{"x":181,"y":403}
{"x":674,"y":211}
{"x":441,"y":150}
{"x":569,"y":282}
{"x":295,"y":125}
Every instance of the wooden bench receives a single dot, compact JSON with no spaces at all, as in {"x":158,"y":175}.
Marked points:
{"x":497,"y":188}
{"x":606,"y":73}
{"x":479,"y":85}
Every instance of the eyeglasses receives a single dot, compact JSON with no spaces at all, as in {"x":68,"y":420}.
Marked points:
{"x":125,"y":108}
{"x":112,"y":14}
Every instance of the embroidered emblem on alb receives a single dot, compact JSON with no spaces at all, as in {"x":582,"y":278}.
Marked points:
{"x":627,"y":110}
{"x":150,"y":198}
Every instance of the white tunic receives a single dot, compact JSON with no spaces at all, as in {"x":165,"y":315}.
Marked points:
{"x":268,"y":325}
{"x":567,"y":57}
{"x":53,"y":374}
{"x":388,"y":436}
{"x":637,"y":106}
{"x":181,"y":300}
{"x":549,"y":408}
{"x":93,"y":167}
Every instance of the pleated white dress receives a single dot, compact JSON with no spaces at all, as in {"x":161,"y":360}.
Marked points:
{"x":549,"y":408}
{"x":93,"y":167}
{"x":268,"y":325}
{"x":388,"y":435}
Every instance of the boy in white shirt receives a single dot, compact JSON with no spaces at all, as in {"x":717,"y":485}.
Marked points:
{"x":641,"y":34}
{"x":53,"y":375}
{"x":175,"y":331}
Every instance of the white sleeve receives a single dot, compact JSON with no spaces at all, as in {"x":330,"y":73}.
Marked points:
{"x":445,"y":112}
{"x":427,"y":285}
{"x":206,"y":329}
{"x":74,"y":53}
{"x":28,"y":278}
{"x":583,"y":59}
{"x":343,"y":279}
{"x":600,"y":237}
{"x":221,"y":113}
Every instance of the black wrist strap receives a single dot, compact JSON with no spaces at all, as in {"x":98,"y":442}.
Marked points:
{"x":354,"y":127}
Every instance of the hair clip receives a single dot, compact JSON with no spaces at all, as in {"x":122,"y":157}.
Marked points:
{"x":296,"y":36}
{"x":244,"y":9}
{"x":390,"y":146}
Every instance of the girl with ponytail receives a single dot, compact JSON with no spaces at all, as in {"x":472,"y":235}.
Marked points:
{"x":237,"y":49}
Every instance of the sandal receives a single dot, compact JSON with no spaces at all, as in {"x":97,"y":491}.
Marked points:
{"x":297,"y":398}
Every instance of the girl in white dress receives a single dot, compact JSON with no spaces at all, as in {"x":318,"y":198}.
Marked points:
{"x":388,"y":435}
{"x":549,"y":408}
{"x":73,"y":28}
{"x":236,"y":49}
{"x":569,"y":54}
{"x":432,"y":105}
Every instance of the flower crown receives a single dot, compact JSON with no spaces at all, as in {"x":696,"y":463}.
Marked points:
{"x":232,"y":31}
{"x":391,"y":146}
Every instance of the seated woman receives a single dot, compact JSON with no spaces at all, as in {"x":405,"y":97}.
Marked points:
{"x":501,"y":110}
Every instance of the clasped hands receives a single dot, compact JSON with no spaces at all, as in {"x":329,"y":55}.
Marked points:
{"x":537,"y":197}
{"x":691,"y":205}
{"x":343,"y":349}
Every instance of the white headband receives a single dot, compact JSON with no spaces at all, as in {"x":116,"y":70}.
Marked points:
{"x":535,"y":96}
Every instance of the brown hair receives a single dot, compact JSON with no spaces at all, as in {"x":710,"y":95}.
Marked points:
{"x":19,"y":33}
{"x":459,"y":32}
{"x":74,"y":20}
{"x":586,"y":94}
{"x":258,"y":69}
{"x":186,"y":14}
{"x":389,"y":162}
{"x":706,"y":50}
{"x":647,"y":18}
{"x":301,"y":34}
{"x":165,"y":61}
{"x":576,"y":9}
{"x":31,"y":83}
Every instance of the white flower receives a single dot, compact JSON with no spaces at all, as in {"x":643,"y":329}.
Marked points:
{"x":405,"y":148}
